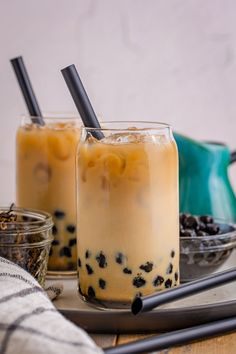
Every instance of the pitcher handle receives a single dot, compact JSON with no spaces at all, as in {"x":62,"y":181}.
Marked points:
{"x":233,"y":157}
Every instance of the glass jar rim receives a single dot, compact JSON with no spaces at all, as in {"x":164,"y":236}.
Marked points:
{"x":54,"y":115}
{"x":43,"y":222}
{"x":27,"y":244}
{"x":147,"y":126}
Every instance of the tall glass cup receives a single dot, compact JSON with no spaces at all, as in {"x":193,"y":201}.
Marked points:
{"x":128,"y":241}
{"x":45,"y":180}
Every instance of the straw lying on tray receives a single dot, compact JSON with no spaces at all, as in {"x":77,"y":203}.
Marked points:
{"x":147,"y":303}
{"x":175,"y":338}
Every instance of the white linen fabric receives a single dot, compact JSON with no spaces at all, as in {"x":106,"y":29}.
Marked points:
{"x":29,"y":322}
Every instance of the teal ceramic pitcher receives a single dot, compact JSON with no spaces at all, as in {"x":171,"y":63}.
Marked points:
{"x":204,"y":183}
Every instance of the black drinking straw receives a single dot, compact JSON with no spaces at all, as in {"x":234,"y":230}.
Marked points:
{"x":81,"y":100}
{"x":175,"y":338}
{"x":147,"y":303}
{"x":27,"y":90}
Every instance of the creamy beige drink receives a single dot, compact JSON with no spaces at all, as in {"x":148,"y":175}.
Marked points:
{"x":128,"y":241}
{"x":45,"y":165}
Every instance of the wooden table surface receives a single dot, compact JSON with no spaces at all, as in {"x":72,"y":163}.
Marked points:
{"x":219,"y":345}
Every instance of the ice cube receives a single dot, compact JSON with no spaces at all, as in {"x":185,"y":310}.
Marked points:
{"x":125,"y":138}
{"x":133,"y":136}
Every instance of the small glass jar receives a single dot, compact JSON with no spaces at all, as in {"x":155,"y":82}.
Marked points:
{"x":25,"y":239}
{"x":128,"y":214}
{"x":45,"y":180}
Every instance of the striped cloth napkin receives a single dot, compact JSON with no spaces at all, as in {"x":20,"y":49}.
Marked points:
{"x":29,"y":322}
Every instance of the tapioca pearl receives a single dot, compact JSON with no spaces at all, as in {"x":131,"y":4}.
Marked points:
{"x":87,"y":254}
{"x":54,"y":230}
{"x":72,"y":242}
{"x":91,"y":292}
{"x":172,"y":254}
{"x":101,"y":259}
{"x":120,"y":258}
{"x":169,"y":269}
{"x":71,"y":228}
{"x":190,"y":222}
{"x":70,"y":266}
{"x":206,"y":219}
{"x":55,"y":242}
{"x":158,"y":281}
{"x":176,"y":276}
{"x":147,"y":267}
{"x":139,"y":281}
{"x":89,"y":269}
{"x":59,"y":214}
{"x":212,"y":229}
{"x":201,"y":226}
{"x":79,"y":263}
{"x":102,"y":283}
{"x":139,"y":294}
{"x":168,"y":283}
{"x":182,"y":218}
{"x":65,"y":252}
{"x":127,"y":271}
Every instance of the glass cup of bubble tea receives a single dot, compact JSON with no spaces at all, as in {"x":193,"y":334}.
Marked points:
{"x":127,"y":210}
{"x":45,"y":180}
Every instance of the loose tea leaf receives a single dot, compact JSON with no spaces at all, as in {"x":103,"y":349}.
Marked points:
{"x":7,"y":216}
{"x":24,"y":244}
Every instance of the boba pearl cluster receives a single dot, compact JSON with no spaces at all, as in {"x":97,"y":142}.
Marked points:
{"x":60,"y":247}
{"x":136,"y":276}
{"x":191,"y":226}
{"x":204,"y":245}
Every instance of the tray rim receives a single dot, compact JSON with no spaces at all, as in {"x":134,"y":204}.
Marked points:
{"x":124,"y":322}
{"x":160,"y":319}
{"x":106,"y":312}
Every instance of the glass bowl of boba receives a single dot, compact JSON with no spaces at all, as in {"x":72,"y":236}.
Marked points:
{"x":205,"y":245}
{"x":25,"y":239}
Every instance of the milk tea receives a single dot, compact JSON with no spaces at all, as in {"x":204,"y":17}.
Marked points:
{"x":128,"y":240}
{"x":45,"y":166}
